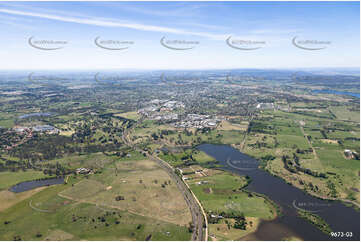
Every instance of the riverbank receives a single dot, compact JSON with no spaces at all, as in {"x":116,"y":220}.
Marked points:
{"x":337,"y":215}
{"x":232,"y":211}
{"x":263,"y":166}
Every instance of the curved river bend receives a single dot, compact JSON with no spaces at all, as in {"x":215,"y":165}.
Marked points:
{"x":340,"y":217}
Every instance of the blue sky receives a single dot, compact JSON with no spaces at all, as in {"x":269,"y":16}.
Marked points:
{"x":208,"y":23}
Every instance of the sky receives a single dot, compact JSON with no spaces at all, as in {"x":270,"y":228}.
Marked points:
{"x":327,"y":34}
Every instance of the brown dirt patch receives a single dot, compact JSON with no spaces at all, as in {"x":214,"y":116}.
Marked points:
{"x":59,"y":235}
{"x":329,"y":141}
{"x":208,"y":190}
{"x":8,"y":199}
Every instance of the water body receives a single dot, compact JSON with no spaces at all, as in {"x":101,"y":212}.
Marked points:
{"x":29,"y":185}
{"x":328,"y":91}
{"x":29,"y":115}
{"x":340,"y":217}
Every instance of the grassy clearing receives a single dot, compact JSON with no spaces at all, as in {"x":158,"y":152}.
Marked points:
{"x":292,"y":141}
{"x":202,"y":157}
{"x":225,"y":125}
{"x":80,"y":221}
{"x":6,"y":123}
{"x":83,"y":190}
{"x":193,"y":156}
{"x":128,"y":115}
{"x":343,"y":113}
{"x":144,"y":187}
{"x":222,"y":193}
{"x":93,"y":160}
{"x":152,"y":207}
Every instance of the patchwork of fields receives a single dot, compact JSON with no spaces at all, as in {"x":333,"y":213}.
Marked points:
{"x":89,"y":207}
{"x":319,"y":146}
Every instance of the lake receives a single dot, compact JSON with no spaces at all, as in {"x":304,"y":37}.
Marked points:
{"x":340,"y":217}
{"x":337,"y":93}
{"x":29,"y":115}
{"x":29,"y":185}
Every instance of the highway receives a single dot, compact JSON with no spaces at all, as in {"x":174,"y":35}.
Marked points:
{"x":199,"y":219}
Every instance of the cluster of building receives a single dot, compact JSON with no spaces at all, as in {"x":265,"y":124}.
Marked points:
{"x":349,"y":154}
{"x":158,"y":105}
{"x":197,"y":121}
{"x":165,"y":117}
{"x":46,"y":129}
{"x":265,"y":106}
{"x":28,"y":133}
{"x":161,"y":110}
{"x":202,"y":182}
{"x":83,"y":170}
{"x":38,"y":128}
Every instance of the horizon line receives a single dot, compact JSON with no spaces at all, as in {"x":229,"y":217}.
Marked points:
{"x":182,"y":69}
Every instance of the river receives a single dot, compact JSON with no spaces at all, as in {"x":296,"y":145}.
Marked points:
{"x":340,"y":217}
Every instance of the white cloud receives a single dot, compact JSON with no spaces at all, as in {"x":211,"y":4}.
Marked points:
{"x":114,"y":23}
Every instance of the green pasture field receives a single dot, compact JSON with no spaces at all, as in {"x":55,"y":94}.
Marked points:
{"x":343,"y":113}
{"x":292,"y":141}
{"x":202,"y":157}
{"x":92,"y":160}
{"x":231,"y":136}
{"x":6,"y":123}
{"x":75,"y":211}
{"x":63,"y":219}
{"x":146,"y":190}
{"x":222,"y":193}
{"x":330,"y":157}
{"x":129,"y":115}
{"x":175,"y":159}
